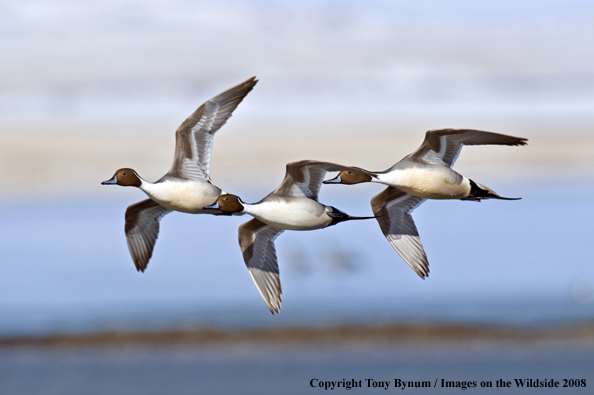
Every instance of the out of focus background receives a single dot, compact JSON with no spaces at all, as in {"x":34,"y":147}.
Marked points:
{"x":89,"y":87}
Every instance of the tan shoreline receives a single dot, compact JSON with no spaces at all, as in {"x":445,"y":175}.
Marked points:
{"x":74,"y":159}
{"x":385,"y":334}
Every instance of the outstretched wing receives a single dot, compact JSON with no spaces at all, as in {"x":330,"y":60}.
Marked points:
{"x":392,"y":209}
{"x":304,"y":178}
{"x":193,"y":139}
{"x":445,"y":144}
{"x":256,"y":240}
{"x":142,"y":230}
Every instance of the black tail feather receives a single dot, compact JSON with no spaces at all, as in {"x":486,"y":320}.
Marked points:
{"x":339,"y":216}
{"x":477,"y":193}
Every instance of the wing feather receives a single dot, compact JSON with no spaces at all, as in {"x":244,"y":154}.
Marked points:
{"x":392,"y":209}
{"x":142,"y":230}
{"x":305,"y":177}
{"x":256,"y":240}
{"x":194,"y":137}
{"x":445,"y":144}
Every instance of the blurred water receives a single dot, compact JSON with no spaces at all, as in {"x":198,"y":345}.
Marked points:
{"x":287,"y":370}
{"x":65,"y":266}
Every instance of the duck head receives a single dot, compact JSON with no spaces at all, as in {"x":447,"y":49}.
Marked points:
{"x":124,"y":177}
{"x":349,"y":177}
{"x":227,"y":203}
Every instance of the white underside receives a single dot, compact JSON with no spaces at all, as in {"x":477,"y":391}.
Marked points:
{"x":188,"y":196}
{"x":430,"y":183}
{"x":298,"y":214}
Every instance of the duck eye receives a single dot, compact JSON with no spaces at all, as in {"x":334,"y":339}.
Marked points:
{"x":348,"y":172}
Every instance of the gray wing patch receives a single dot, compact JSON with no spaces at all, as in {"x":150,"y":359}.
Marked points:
{"x":446,"y":144}
{"x":433,"y":158}
{"x":256,"y":240}
{"x":305,"y":177}
{"x":142,"y":230}
{"x":194,"y":137}
{"x":392,"y":209}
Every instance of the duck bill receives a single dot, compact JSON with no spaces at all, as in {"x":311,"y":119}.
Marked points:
{"x":214,"y":206}
{"x":335,"y":180}
{"x":113,"y":181}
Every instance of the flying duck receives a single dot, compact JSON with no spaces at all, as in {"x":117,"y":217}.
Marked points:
{"x":424,"y":174}
{"x":187,"y":186}
{"x":294,"y":206}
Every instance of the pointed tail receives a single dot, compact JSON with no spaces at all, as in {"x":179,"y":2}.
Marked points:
{"x":479,"y":192}
{"x":339,"y":216}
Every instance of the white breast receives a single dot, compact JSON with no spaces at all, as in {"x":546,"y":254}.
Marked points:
{"x":188,"y":196}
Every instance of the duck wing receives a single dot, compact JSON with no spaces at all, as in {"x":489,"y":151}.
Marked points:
{"x":392,"y":209}
{"x":305,"y":177}
{"x":443,"y":146}
{"x":256,"y":240}
{"x":142,"y":230}
{"x":193,"y":139}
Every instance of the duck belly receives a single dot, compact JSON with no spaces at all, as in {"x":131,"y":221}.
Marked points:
{"x":433,"y":183}
{"x":185,"y":196}
{"x":300,"y":214}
